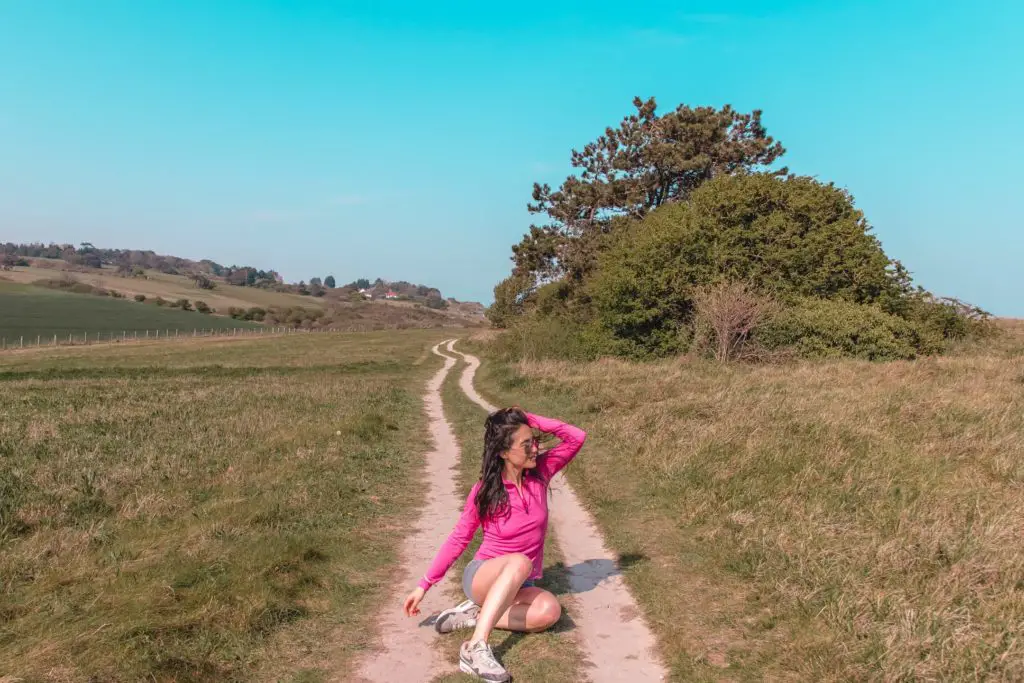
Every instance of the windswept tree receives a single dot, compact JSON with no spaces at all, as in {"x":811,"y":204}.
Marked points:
{"x":329,"y":282}
{"x":647,"y":161}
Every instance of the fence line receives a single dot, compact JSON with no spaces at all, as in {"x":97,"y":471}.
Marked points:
{"x":130,"y":336}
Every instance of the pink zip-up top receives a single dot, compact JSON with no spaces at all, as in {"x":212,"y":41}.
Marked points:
{"x":523,"y":527}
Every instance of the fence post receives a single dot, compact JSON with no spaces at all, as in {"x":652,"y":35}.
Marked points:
{"x":38,"y":339}
{"x":21,"y":344}
{"x":193,"y":331}
{"x":70,"y":340}
{"x":54,"y":340}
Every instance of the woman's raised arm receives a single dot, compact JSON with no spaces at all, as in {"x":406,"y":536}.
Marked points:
{"x":571,"y":440}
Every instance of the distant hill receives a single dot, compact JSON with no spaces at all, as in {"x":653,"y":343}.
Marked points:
{"x":243,"y":294}
{"x":207,"y":274}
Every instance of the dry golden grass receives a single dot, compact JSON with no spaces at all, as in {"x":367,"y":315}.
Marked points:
{"x":813,"y":521}
{"x":209,"y":511}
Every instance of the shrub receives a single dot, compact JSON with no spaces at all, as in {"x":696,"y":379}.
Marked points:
{"x":203,"y":307}
{"x":140,"y":298}
{"x":509,"y":300}
{"x":726,"y":316}
{"x":160,"y":301}
{"x":947,"y":319}
{"x":183,"y":304}
{"x":202,"y":281}
{"x":549,"y":337}
{"x":816,"y":328}
{"x":436,"y":303}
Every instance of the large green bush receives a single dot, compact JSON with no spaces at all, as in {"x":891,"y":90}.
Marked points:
{"x":817,"y":328}
{"x":787,"y":237}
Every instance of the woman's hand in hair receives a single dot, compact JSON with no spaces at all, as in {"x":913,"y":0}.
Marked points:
{"x":412,"y":602}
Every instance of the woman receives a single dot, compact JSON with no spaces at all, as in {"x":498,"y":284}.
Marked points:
{"x":510,"y":502}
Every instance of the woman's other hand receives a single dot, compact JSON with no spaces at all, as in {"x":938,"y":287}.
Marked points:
{"x":412,"y":602}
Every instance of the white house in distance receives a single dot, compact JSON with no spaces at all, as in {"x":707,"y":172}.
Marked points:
{"x":368,"y":294}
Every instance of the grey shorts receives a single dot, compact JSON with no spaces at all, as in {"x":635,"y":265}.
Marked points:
{"x":470,"y":571}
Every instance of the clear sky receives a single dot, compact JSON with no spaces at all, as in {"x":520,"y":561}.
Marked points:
{"x":400,"y":140}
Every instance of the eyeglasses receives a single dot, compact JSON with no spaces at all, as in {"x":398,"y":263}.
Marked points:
{"x":529,"y":444}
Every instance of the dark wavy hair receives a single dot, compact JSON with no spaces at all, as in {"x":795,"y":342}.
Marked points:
{"x":500,"y":427}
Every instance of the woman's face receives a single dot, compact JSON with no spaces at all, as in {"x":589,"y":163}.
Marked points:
{"x":523,"y":452}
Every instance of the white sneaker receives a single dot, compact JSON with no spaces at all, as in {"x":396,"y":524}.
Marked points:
{"x":462,"y":615}
{"x":478,"y":660}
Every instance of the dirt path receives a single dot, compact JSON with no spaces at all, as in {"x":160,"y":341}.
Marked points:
{"x":406,"y":651}
{"x":612,"y":633}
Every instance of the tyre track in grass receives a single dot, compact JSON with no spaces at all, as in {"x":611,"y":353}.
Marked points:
{"x":406,"y":650}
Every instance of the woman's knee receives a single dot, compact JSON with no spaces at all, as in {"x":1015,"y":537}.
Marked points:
{"x":521,"y":565}
{"x":549,"y":611}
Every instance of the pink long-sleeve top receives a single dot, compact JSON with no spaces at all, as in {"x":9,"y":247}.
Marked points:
{"x":523,"y":527}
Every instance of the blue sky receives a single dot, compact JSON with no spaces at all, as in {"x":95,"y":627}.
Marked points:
{"x":400,"y":140}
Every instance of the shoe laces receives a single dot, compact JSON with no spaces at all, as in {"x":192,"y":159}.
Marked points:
{"x":483,"y":650}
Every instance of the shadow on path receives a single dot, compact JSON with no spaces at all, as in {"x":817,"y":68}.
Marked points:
{"x":587,"y":575}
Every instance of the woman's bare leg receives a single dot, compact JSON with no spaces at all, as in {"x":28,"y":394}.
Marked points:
{"x":498,"y":580}
{"x":504,"y":604}
{"x":532,"y":611}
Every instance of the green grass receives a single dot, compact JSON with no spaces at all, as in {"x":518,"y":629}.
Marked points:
{"x":809,"y":521}
{"x":204,"y":511}
{"x":35,"y":313}
{"x":541,"y":657}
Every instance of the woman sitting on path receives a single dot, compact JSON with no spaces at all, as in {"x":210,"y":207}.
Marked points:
{"x":510,"y":502}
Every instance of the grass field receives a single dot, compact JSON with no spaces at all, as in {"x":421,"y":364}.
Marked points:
{"x":212,"y":510}
{"x":540,"y":658}
{"x":34,"y":312}
{"x":827,"y":522}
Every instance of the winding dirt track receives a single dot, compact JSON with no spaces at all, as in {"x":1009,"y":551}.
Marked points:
{"x":615,"y":640}
{"x":406,"y":651}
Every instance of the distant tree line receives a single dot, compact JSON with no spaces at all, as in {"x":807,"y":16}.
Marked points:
{"x":206,"y":274}
{"x":125,"y":260}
